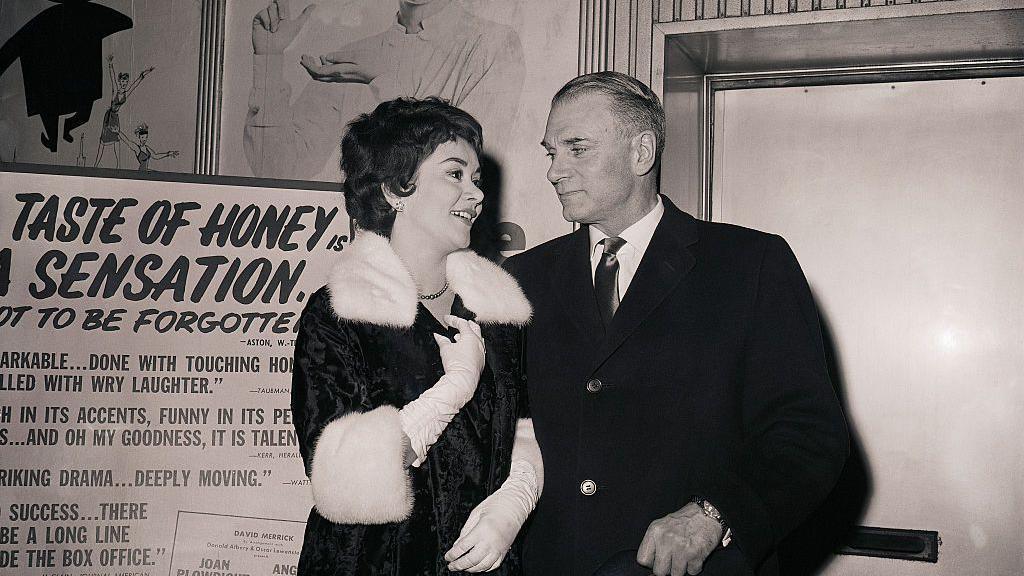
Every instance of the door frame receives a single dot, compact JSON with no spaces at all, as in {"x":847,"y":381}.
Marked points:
{"x":711,"y":84}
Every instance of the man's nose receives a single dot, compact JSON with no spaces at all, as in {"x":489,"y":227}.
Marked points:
{"x":556,"y":171}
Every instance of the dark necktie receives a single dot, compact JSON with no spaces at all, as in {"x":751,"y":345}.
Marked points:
{"x":606,"y":279}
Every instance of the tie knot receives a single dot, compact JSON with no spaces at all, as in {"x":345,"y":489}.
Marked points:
{"x":612,"y":244}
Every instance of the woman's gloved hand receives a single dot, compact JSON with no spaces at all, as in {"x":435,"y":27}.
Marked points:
{"x":493,"y":524}
{"x":463,"y":360}
{"x":425,"y":418}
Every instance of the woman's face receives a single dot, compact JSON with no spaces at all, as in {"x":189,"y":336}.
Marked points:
{"x":447,"y":199}
{"x":122,"y":83}
{"x":143,"y":137}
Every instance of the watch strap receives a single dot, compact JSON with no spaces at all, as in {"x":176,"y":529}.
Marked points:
{"x":710,"y":511}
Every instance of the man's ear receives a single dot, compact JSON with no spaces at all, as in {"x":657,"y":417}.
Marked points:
{"x":645,"y":146}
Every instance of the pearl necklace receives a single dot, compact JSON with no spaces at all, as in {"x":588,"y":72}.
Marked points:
{"x":435,"y":295}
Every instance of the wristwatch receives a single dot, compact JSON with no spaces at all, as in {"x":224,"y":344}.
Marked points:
{"x":710,"y":511}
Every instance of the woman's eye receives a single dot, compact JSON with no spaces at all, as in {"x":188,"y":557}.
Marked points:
{"x":477,"y":182}
{"x":457,"y":174}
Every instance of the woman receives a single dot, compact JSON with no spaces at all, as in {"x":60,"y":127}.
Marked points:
{"x":408,"y":435}
{"x":110,"y":135}
{"x":143,"y":153}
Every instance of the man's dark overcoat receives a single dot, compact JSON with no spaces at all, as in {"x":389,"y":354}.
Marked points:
{"x":710,"y":382}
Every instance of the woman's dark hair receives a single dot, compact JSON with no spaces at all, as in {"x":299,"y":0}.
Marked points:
{"x":387,"y":146}
{"x":123,"y":76}
{"x":141,"y":129}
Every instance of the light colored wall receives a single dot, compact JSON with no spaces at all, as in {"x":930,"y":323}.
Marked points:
{"x":680,"y":165}
{"x":903,"y":203}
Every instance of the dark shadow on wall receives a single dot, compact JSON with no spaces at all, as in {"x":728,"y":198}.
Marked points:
{"x":485,"y":237}
{"x":812,"y":545}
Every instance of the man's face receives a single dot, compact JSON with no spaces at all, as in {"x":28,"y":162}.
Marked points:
{"x":590,"y":162}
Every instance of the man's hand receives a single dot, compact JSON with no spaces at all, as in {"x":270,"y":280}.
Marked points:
{"x":680,"y":542}
{"x":273,"y":29}
{"x":338,"y":67}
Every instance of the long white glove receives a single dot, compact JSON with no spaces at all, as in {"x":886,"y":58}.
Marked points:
{"x":425,"y":418}
{"x":492,"y":526}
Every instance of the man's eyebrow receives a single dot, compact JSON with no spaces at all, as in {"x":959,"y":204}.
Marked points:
{"x":574,"y":140}
{"x":566,"y":141}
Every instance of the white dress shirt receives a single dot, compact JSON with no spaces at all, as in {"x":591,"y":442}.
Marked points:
{"x":637,"y":237}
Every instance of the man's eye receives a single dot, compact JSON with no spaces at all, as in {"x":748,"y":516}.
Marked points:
{"x":577,"y":150}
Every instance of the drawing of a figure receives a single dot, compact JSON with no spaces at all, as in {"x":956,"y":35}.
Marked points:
{"x":433,"y":48}
{"x":143,"y":153}
{"x":110,"y":134}
{"x":62,"y":63}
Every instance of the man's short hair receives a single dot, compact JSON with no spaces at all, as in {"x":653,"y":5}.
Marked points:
{"x":386,"y":147}
{"x":635,"y":107}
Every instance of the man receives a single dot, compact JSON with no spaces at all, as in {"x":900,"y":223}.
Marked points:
{"x":675,"y":367}
{"x":434,"y":48}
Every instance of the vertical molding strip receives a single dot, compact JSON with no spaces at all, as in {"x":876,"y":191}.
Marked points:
{"x":219,"y":84}
{"x":617,"y":35}
{"x":208,"y":94}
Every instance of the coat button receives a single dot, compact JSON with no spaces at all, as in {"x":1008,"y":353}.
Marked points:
{"x":588,"y":487}
{"x":594,"y":386}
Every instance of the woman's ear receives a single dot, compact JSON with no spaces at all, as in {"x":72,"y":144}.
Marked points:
{"x":397,"y":202}
{"x":390,"y":197}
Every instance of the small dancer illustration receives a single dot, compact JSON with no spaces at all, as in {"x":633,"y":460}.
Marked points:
{"x":110,"y":134}
{"x":143,"y":153}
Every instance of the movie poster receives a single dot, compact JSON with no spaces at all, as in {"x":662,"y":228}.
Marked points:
{"x":147,"y":332}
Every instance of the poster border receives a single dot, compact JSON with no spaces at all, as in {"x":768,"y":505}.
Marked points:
{"x":186,"y":177}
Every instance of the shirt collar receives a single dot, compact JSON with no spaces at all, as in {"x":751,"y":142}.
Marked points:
{"x":434,"y":25}
{"x":637,"y":236}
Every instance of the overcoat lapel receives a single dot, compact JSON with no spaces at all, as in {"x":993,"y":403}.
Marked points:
{"x":574,"y":285}
{"x":666,"y":262}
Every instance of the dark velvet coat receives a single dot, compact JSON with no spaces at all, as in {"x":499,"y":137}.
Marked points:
{"x":364,"y":348}
{"x":710,"y":381}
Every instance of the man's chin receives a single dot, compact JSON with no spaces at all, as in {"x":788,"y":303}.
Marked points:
{"x":572,"y":212}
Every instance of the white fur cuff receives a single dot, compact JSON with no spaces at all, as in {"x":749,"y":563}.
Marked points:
{"x":358,"y":473}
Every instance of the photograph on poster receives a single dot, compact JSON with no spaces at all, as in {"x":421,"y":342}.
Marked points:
{"x":296,"y":72}
{"x":435,"y":48}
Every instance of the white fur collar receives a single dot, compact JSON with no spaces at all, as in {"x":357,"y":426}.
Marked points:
{"x":370,"y":284}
